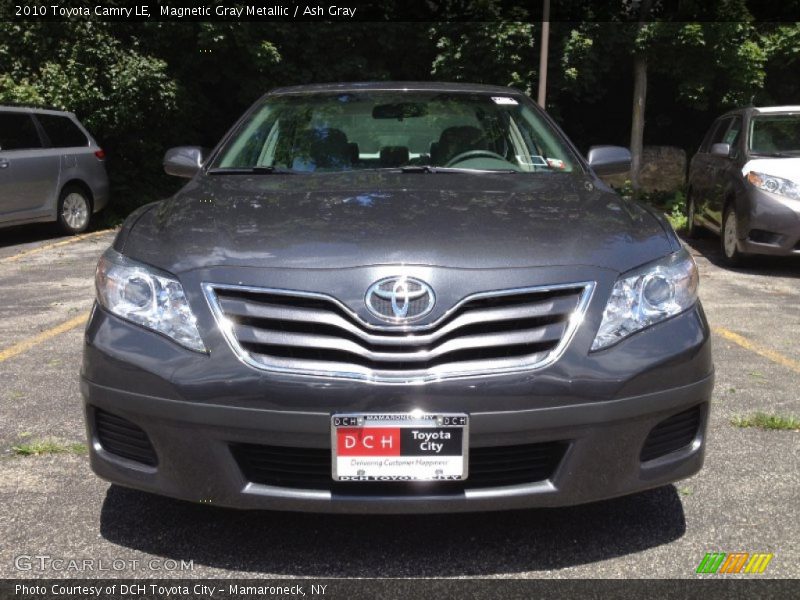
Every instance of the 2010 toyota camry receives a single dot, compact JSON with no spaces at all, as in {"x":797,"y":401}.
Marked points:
{"x":396,"y":298}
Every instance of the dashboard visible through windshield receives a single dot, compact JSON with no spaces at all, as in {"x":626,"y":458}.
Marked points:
{"x":395,"y":130}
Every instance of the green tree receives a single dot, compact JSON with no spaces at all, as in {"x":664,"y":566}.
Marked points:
{"x":123,"y":96}
{"x":500,"y":53}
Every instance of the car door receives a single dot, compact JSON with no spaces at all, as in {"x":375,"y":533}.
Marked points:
{"x":724,"y":171}
{"x":28,"y":172}
{"x":68,"y":142}
{"x":700,"y":173}
{"x":705,"y":173}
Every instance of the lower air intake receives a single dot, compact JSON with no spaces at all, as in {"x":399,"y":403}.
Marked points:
{"x":675,"y":433}
{"x":122,"y":438}
{"x":310,"y":468}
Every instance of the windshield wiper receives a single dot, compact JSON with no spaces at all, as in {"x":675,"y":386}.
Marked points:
{"x":250,"y":171}
{"x":432,"y":169}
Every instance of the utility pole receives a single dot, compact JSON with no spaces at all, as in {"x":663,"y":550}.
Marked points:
{"x":542,"y":98}
{"x":639,"y":100}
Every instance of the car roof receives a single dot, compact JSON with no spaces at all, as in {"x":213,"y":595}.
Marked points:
{"x":776,"y":109}
{"x":427,"y":86}
{"x":757,"y":110}
{"x":35,"y":109}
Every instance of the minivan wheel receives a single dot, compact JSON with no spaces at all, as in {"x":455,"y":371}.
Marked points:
{"x":74,"y":210}
{"x":729,"y":237}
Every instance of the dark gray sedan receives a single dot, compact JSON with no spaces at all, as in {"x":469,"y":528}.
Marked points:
{"x":396,"y":298}
{"x":744,"y":182}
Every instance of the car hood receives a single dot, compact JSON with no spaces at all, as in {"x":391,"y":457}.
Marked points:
{"x":378,"y":217}
{"x":788,"y":168}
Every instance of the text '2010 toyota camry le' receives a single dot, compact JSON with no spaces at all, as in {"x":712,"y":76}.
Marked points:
{"x":396,"y":298}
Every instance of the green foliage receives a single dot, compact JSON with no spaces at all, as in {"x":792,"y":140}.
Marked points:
{"x":675,"y":212}
{"x":672,"y":204}
{"x":732,"y":56}
{"x":585,"y":60}
{"x":18,"y":93}
{"x":48,"y":446}
{"x":762,"y":420}
{"x":781,"y":43}
{"x":497,"y":53}
{"x":124,"y":97}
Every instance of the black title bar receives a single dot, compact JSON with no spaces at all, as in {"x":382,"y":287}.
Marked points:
{"x":385,"y":11}
{"x":387,"y":589}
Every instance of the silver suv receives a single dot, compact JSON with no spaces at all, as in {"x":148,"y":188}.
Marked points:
{"x":51,"y":169}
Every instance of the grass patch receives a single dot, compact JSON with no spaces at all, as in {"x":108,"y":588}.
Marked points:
{"x":765,"y":421}
{"x":676,"y":216}
{"x":43,"y":447}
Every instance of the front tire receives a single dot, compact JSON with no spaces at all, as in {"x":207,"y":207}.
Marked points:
{"x":74,"y":210}
{"x":729,"y":239}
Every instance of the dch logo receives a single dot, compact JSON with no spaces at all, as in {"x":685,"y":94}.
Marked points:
{"x":368,"y":441}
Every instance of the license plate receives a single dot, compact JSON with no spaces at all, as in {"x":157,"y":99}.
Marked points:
{"x":400,"y":447}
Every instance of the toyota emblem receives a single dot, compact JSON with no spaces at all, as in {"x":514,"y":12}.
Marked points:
{"x":400,"y":299}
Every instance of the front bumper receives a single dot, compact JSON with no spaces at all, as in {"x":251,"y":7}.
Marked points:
{"x":603,"y":410}
{"x":772,"y":226}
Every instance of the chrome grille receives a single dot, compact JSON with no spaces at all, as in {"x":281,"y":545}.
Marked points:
{"x":314,"y":334}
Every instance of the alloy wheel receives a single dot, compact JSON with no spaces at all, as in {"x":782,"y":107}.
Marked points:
{"x":75,"y":211}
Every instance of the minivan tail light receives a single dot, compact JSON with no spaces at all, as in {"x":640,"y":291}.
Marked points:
{"x":100,"y":154}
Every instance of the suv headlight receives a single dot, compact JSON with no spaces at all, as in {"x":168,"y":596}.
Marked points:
{"x":648,"y":295}
{"x":776,"y":185}
{"x":137,"y":293}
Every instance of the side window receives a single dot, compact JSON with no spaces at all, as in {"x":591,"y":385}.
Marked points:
{"x":731,"y":136}
{"x":719,"y":133}
{"x":706,"y":145}
{"x":18,"y":132}
{"x":63,"y":133}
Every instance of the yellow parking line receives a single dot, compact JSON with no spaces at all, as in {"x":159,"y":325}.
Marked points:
{"x":29,"y":343}
{"x":768,"y":353}
{"x":72,"y":240}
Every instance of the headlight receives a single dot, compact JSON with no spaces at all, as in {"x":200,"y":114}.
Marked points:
{"x":646,"y":296}
{"x":139,"y":294}
{"x":776,"y":185}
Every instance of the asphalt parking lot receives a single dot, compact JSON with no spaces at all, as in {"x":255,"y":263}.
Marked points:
{"x":744,"y":500}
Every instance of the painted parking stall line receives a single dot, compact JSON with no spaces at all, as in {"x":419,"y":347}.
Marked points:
{"x":50,"y":246}
{"x":757,"y":348}
{"x":27,"y":344}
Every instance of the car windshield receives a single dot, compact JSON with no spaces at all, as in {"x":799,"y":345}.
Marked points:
{"x":775,"y":134}
{"x":414,"y":131}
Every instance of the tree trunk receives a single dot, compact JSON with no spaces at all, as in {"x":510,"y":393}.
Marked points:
{"x":637,"y":120}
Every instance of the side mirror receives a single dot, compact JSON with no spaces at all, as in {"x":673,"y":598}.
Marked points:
{"x":721,"y":150}
{"x":184,"y":161}
{"x":609,"y":160}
